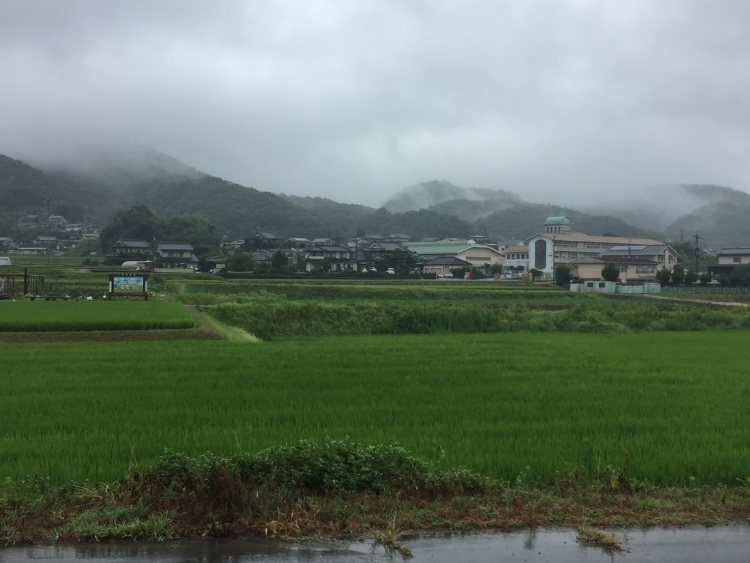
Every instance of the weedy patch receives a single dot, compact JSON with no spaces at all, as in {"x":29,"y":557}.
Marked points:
{"x":388,"y":538}
{"x":594,"y":536}
{"x":335,"y":489}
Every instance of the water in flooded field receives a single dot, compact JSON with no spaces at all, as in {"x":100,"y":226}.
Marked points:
{"x":699,"y":545}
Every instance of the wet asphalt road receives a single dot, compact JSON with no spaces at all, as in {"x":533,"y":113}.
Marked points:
{"x":721,"y":544}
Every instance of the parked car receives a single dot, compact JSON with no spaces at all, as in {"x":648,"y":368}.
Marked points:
{"x":390,"y":271}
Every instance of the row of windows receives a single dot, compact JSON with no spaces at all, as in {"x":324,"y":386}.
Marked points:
{"x":479,"y":258}
{"x":645,"y":270}
{"x":586,"y":244}
{"x":518,"y":256}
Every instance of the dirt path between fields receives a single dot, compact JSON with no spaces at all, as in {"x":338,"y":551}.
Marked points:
{"x":203,"y":330}
{"x":704,"y":301}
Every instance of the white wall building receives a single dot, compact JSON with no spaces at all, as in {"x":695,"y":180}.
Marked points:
{"x":559,"y":245}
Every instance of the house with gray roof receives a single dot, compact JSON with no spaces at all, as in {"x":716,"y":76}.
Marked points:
{"x":340,"y":257}
{"x":663,"y":254}
{"x":131,"y":247}
{"x":174,"y":253}
{"x":729,"y":259}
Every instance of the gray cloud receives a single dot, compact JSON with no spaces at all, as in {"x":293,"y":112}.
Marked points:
{"x":569,"y":102}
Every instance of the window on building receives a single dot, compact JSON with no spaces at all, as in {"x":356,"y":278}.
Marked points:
{"x":737,"y":259}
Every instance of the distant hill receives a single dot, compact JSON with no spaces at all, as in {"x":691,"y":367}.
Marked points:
{"x":97,"y":186}
{"x":427,"y":195}
{"x":527,"y":219}
{"x":348,"y":217}
{"x":22,"y":186}
{"x":502,"y":214}
{"x":718,"y":214}
{"x":474,"y":210}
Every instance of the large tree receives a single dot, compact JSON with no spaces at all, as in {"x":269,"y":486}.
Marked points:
{"x":140,"y":223}
{"x":240,"y":262}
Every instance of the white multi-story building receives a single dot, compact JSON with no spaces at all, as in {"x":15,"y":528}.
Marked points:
{"x":559,"y":244}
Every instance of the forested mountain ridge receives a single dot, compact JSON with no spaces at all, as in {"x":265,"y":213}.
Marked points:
{"x":96,"y":191}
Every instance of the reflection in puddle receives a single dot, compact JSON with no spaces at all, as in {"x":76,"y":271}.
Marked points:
{"x":727,"y":544}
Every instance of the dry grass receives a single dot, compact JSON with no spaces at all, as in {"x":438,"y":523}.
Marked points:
{"x":388,"y":538}
{"x":594,"y":536}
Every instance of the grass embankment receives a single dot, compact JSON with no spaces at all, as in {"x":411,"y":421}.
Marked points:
{"x":36,"y":316}
{"x":267,"y":316}
{"x":205,"y":292}
{"x":670,"y":408}
{"x":342,"y":489}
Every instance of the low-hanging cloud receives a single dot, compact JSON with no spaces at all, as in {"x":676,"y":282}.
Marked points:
{"x":568,"y":102}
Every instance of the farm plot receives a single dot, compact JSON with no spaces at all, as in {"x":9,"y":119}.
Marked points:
{"x":36,"y":316}
{"x":667,"y":407}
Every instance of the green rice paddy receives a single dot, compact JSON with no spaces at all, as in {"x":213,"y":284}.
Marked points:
{"x":92,"y":315}
{"x":667,"y":407}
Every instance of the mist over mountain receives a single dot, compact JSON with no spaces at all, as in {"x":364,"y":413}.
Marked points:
{"x":93,"y":186}
{"x":112,"y":166}
{"x":474,"y":210}
{"x":425,"y":195}
{"x":527,"y":219}
{"x":716,"y":213}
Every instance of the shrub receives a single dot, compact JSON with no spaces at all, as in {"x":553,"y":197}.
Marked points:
{"x":611,"y":273}
{"x":563,"y":273}
{"x":340,"y":466}
{"x":678,"y":274}
{"x":690,"y":277}
{"x":740,"y":276}
{"x":663,"y":276}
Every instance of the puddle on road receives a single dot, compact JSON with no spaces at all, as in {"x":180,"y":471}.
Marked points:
{"x":727,"y":544}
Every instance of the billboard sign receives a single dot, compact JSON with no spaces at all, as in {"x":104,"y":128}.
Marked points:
{"x":135,"y":285}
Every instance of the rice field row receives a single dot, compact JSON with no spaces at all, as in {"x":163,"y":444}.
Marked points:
{"x":668,"y":406}
{"x":35,"y":316}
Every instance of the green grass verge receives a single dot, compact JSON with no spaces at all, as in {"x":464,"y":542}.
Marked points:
{"x":35,"y":316}
{"x":267,"y":317}
{"x":667,"y":407}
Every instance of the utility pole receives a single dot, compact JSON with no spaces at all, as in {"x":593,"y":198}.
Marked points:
{"x":48,"y":203}
{"x":680,"y":235}
{"x":554,"y":249}
{"x":697,"y":252}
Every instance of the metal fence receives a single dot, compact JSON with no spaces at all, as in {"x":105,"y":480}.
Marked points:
{"x":17,"y":285}
{"x":703,"y":290}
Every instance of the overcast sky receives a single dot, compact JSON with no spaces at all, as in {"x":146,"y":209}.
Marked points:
{"x":567,"y":102}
